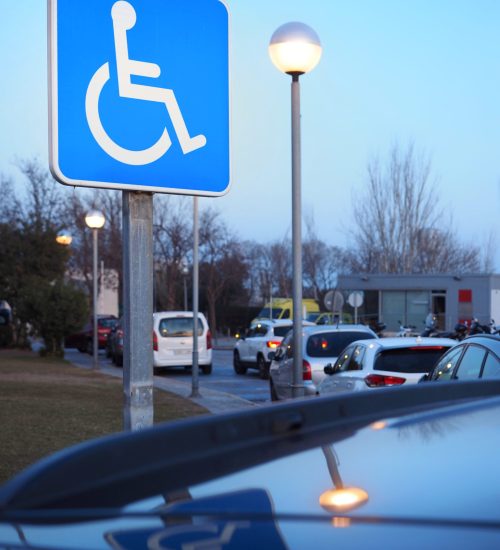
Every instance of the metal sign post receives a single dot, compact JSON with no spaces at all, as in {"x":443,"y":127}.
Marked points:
{"x":195,"y":370}
{"x":138,"y":309}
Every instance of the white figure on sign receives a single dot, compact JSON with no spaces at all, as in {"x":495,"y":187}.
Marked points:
{"x":124,"y":19}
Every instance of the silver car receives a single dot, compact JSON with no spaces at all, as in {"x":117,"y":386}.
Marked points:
{"x":321,"y":345}
{"x":366,"y":365}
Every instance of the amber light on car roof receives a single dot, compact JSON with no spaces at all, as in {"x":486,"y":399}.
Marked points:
{"x":343,"y":499}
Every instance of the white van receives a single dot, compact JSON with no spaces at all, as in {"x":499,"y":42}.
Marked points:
{"x":173,"y":340}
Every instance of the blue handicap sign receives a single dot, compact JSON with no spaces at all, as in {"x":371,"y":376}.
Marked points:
{"x":140,"y":95}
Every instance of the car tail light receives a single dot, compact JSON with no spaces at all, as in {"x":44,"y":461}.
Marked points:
{"x":273,"y":344}
{"x":209,"y":340}
{"x":155,"y":341}
{"x":380,"y":380}
{"x":306,"y":371}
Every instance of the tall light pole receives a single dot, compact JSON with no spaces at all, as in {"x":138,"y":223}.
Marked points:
{"x":95,"y":220}
{"x":295,"y":49}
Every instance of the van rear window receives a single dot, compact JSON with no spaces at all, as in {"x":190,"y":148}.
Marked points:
{"x":178,"y":327}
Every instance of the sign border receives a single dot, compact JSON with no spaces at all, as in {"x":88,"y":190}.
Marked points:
{"x":53,"y":121}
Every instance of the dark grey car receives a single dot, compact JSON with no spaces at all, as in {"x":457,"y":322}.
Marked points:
{"x":473,"y":358}
{"x":409,"y":469}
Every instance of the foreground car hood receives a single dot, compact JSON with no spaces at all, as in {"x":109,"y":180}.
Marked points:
{"x":429,"y":477}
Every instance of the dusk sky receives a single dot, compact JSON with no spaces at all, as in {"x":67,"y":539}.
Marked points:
{"x":392,"y":71}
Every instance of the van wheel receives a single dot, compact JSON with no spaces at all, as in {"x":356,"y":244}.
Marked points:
{"x":206,"y":369}
{"x":237,"y":365}
{"x":262,"y":367}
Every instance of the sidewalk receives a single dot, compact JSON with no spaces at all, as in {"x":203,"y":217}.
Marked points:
{"x":214,"y":401}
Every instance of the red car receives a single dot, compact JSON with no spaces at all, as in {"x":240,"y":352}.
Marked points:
{"x":82,"y":340}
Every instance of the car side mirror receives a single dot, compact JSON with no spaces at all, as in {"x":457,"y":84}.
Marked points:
{"x":425,"y":378}
{"x":271,"y":355}
{"x":329,"y":369}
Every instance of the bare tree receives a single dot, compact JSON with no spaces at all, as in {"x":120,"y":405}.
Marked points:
{"x":172,"y":234}
{"x":223,"y":269}
{"x":321,"y":263}
{"x":399,"y":225}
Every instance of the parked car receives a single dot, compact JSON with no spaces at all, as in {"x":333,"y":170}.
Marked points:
{"x":173,"y":340}
{"x":412,"y":469}
{"x":369,"y":364}
{"x":321,"y":345}
{"x":472,"y":358}
{"x":253,"y":348}
{"x":114,"y":347}
{"x":82,"y":340}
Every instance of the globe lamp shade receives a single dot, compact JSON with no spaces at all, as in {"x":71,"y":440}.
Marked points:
{"x":295,"y":48}
{"x":95,"y":219}
{"x":64,"y":237}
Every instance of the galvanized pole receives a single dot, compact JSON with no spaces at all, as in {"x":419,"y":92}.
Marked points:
{"x":195,"y":370}
{"x":138,"y":310}
{"x":95,"y":341}
{"x":297,"y":378}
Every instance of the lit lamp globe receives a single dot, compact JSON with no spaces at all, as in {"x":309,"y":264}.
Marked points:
{"x":295,"y":48}
{"x":64,"y":237}
{"x":95,"y":219}
{"x":343,"y":499}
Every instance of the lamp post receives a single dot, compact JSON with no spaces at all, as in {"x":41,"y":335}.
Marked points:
{"x":95,"y":220}
{"x":295,"y":49}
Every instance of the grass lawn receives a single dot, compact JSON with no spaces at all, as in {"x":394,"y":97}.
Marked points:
{"x":48,"y":404}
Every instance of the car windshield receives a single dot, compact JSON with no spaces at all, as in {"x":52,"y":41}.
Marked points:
{"x":330,"y":344}
{"x":176,"y":327}
{"x":409,"y":359}
{"x":265,"y":313}
{"x":281,"y":331}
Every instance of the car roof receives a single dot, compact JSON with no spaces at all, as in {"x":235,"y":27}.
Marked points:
{"x":413,"y":342}
{"x":314,"y":329}
{"x":491,"y":341}
{"x":273,"y":322}
{"x":87,"y":476}
{"x":174,"y":314}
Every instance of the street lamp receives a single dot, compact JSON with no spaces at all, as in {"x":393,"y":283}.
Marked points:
{"x":295,"y":49}
{"x":95,"y":220}
{"x":64,"y":237}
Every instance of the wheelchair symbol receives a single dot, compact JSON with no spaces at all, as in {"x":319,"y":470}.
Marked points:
{"x":124,"y":18}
